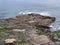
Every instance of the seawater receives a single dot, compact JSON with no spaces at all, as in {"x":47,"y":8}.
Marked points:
{"x":12,"y":8}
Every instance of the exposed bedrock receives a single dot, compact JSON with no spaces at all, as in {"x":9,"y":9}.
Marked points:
{"x":28,"y":19}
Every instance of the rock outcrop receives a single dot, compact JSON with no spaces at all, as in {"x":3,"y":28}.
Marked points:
{"x":35,"y":39}
{"x":27,"y":19}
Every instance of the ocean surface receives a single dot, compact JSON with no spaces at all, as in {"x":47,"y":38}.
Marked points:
{"x":12,"y":8}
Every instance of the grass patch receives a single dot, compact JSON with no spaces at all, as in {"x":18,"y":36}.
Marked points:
{"x":26,"y":43}
{"x":5,"y":34}
{"x":56,"y":35}
{"x":39,"y":32}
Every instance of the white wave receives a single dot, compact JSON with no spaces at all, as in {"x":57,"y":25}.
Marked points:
{"x":51,"y":26}
{"x":45,"y":13}
{"x":54,"y":27}
{"x":59,"y":28}
{"x":41,"y":13}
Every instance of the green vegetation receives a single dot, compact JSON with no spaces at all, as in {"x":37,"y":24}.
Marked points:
{"x":4,"y":25}
{"x":5,"y":34}
{"x":39,"y":30}
{"x":56,"y":35}
{"x":19,"y":36}
{"x":26,"y":43}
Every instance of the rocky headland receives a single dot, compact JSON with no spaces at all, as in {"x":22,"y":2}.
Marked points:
{"x":28,"y":22}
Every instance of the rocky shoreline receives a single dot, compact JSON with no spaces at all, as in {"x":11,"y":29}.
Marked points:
{"x":28,"y":22}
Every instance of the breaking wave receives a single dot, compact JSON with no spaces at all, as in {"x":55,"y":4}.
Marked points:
{"x":54,"y":27}
{"x":41,"y":13}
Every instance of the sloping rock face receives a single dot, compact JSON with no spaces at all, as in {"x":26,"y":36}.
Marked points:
{"x":36,"y":39}
{"x":27,"y":19}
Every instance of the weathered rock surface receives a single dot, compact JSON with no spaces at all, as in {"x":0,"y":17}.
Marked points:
{"x":36,"y":39}
{"x":27,"y":19}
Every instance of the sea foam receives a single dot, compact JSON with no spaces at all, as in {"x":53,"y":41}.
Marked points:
{"x":54,"y":27}
{"x":41,"y":13}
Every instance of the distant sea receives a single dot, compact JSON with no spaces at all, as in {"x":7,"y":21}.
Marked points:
{"x":12,"y":8}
